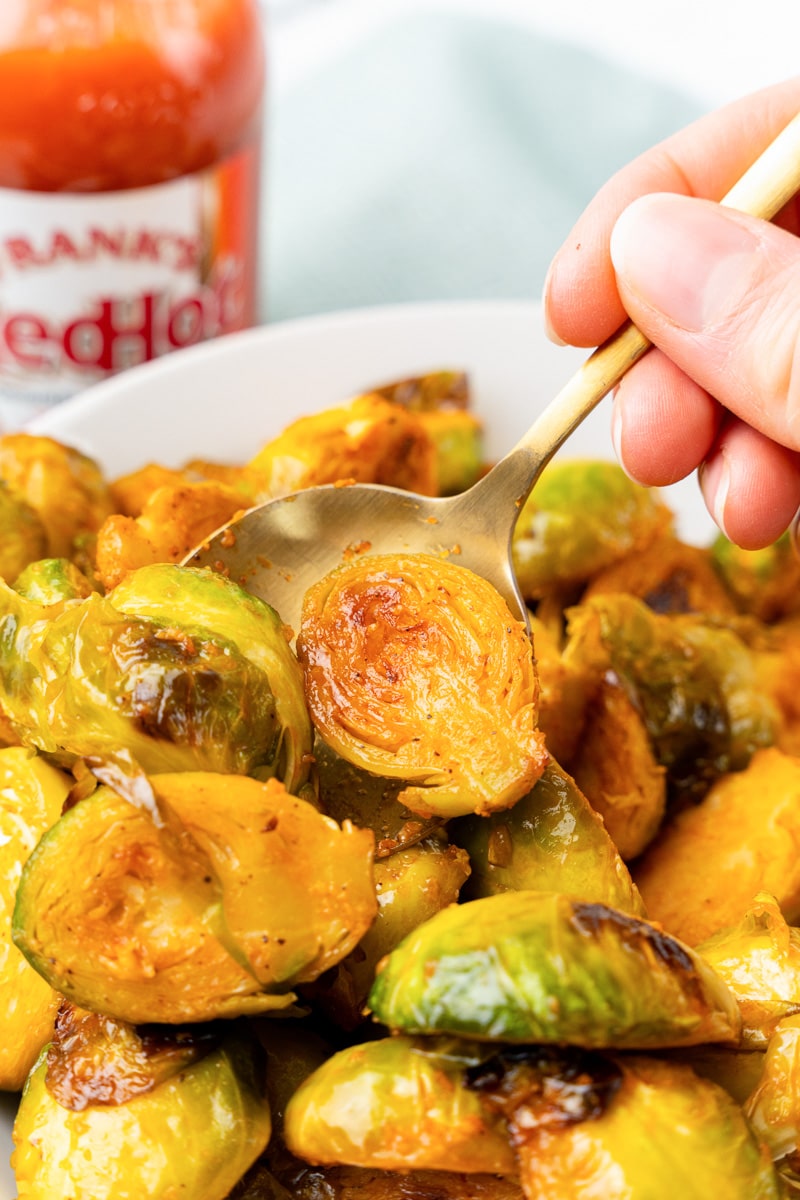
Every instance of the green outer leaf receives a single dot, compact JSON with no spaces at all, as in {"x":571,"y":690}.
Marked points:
{"x":542,"y":967}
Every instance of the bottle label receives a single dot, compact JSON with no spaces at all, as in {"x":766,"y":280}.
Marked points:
{"x":91,"y":284}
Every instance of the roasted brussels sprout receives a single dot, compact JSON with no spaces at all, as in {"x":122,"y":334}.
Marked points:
{"x":64,"y":487}
{"x":23,"y":538}
{"x":398,"y":1104}
{"x":632,"y":1128}
{"x":415,"y":669}
{"x":692,"y":679}
{"x":432,"y":392}
{"x":238,"y":894}
{"x":193,"y":1134}
{"x":564,"y":691}
{"x":759,"y":959}
{"x":764,"y":583}
{"x":773,"y":1109}
{"x":174,"y":521}
{"x":361,"y":1183}
{"x":31,"y":796}
{"x":369,"y":440}
{"x":701,"y":874}
{"x":669,"y":576}
{"x":543,"y":967}
{"x":51,"y":581}
{"x":180,"y":668}
{"x":550,"y":840}
{"x":581,"y":517}
{"x":457,"y":437}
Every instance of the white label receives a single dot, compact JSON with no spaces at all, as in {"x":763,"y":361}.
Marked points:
{"x":92,"y":284}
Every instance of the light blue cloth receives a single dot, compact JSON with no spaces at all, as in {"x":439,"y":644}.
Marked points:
{"x":445,"y":158}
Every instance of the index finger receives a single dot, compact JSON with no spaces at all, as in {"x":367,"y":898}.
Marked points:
{"x":581,"y":301}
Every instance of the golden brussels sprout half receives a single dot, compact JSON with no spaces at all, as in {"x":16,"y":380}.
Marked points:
{"x":65,"y":488}
{"x":669,"y":576}
{"x":543,"y":967}
{"x":398,"y":1104}
{"x":764,"y":583}
{"x":581,"y":517}
{"x":238,"y":894}
{"x":50,"y":581}
{"x":180,"y":668}
{"x":551,"y":840}
{"x":23,"y":538}
{"x":31,"y":797}
{"x":701,"y":874}
{"x":458,"y":440}
{"x":361,"y":1183}
{"x":416,"y":670}
{"x":773,"y":1109}
{"x":192,"y":1135}
{"x":632,"y":1128}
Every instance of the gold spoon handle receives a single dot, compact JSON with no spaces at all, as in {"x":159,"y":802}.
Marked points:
{"x":762,"y":191}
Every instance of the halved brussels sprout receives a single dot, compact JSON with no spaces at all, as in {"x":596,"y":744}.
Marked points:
{"x":764,"y":583}
{"x":416,"y":670}
{"x":241,"y":892}
{"x":31,"y":796}
{"x":669,"y":576}
{"x":368,"y":439}
{"x":193,"y":1135}
{"x":181,"y":668}
{"x":543,"y":967}
{"x":131,"y":493}
{"x":701,"y":874}
{"x":23,"y":538}
{"x":692,"y":679}
{"x":174,"y":520}
{"x":580,"y":517}
{"x":550,"y":840}
{"x":432,"y":392}
{"x":627,"y":1128}
{"x":458,"y":440}
{"x":411,"y":885}
{"x":361,"y":1183}
{"x":398,"y":1104}
{"x":50,"y":581}
{"x":564,"y":692}
{"x":759,"y":959}
{"x":773,"y":1109}
{"x":64,"y":487}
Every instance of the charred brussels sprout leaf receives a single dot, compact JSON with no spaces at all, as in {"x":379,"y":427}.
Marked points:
{"x":31,"y":796}
{"x":543,"y":967}
{"x":242,"y":892}
{"x":194,"y":1135}
{"x":397,"y":1104}
{"x":580,"y":518}
{"x":550,"y":840}
{"x":416,"y":670}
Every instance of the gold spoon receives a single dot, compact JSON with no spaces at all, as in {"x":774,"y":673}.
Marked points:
{"x":279,"y":549}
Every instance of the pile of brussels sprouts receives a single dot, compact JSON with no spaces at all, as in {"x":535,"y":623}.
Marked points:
{"x":402,"y":903}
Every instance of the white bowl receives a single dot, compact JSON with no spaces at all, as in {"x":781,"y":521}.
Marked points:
{"x":222,"y":400}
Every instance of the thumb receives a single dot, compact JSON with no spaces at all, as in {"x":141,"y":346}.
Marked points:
{"x":719,"y":293}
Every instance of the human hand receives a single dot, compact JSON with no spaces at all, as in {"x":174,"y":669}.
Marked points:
{"x":718,"y":294}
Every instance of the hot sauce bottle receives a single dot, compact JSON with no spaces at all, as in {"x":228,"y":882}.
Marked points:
{"x":129,"y":176}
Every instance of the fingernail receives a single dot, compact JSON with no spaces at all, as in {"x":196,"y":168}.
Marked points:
{"x":548,"y":328}
{"x":692,"y":260}
{"x":616,"y":434}
{"x":794,"y":534}
{"x":715,"y":480}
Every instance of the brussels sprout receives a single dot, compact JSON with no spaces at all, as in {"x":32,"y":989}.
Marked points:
{"x":628,"y":1128}
{"x":458,"y":439}
{"x":192,"y":1135}
{"x":361,"y":1183}
{"x":173,"y":522}
{"x":432,"y":392}
{"x":692,"y":679}
{"x":411,"y":885}
{"x":735,"y":1070}
{"x":31,"y":796}
{"x":616,"y":769}
{"x":180,"y":668}
{"x":564,"y":691}
{"x":701,"y":874}
{"x":550,"y":840}
{"x":395,"y":1104}
{"x":23,"y":538}
{"x":416,"y":670}
{"x":773,"y":1109}
{"x":542,"y":967}
{"x":242,"y":892}
{"x":63,"y":486}
{"x":764,"y":583}
{"x":759,"y":959}
{"x":669,"y":576}
{"x":52,"y":581}
{"x":581,"y":517}
{"x":369,"y":440}
{"x":131,"y":493}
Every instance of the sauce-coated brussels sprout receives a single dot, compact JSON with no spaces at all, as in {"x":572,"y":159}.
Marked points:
{"x":542,"y":967}
{"x":415,"y":669}
{"x":193,"y":1135}
{"x":551,"y":840}
{"x":239,"y":894}
{"x":23,"y":538}
{"x":773,"y":1109}
{"x":395,"y":1104}
{"x":50,"y":581}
